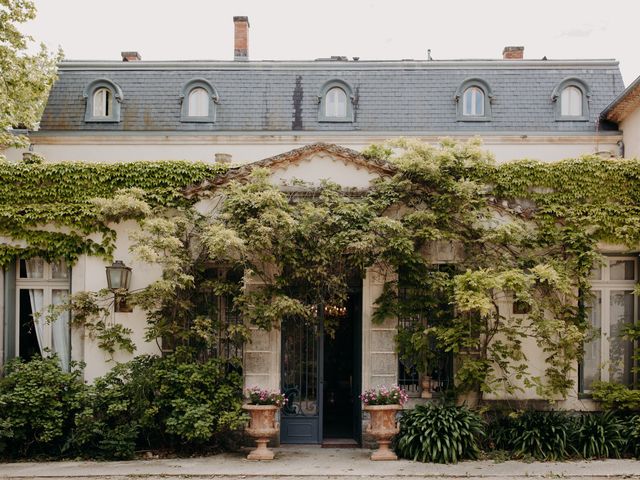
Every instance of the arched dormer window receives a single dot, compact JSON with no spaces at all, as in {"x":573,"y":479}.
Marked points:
{"x":571,"y":97}
{"x":199,"y":99}
{"x":336,"y":102}
{"x":473,"y":98}
{"x":103,"y":98}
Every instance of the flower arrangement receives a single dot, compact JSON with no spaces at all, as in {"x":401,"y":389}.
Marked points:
{"x":384,"y":396}
{"x":261,"y":396}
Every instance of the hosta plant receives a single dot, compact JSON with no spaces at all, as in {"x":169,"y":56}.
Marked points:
{"x":439,"y":434}
{"x":631,"y":434}
{"x":599,"y":435}
{"x":541,"y":435}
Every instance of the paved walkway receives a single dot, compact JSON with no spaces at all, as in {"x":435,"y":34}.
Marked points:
{"x":313,"y":463}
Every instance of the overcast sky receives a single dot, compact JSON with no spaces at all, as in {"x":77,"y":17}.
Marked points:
{"x":369,"y":29}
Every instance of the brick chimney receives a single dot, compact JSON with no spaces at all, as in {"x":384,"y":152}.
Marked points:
{"x":513,"y":53}
{"x":130,"y":56}
{"x":241,"y":38}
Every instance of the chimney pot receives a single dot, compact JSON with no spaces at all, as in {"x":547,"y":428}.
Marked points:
{"x":241,"y":38}
{"x":130,"y":56}
{"x":223,"y":158}
{"x":513,"y":53}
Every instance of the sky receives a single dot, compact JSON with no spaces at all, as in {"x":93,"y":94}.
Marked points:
{"x":369,"y":29}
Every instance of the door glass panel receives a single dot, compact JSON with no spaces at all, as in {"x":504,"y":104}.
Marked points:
{"x":621,"y":311}
{"x":622,"y":270}
{"x":592,"y":349}
{"x":300,"y":366}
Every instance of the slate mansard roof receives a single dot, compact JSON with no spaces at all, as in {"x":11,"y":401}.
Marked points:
{"x":389,"y":96}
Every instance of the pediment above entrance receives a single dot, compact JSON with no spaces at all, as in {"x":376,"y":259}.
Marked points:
{"x":311,"y":164}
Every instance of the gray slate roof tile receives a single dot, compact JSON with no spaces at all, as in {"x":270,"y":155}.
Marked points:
{"x":256,"y":96}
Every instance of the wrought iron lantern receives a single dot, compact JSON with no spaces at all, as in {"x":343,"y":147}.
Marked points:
{"x":118,"y":281}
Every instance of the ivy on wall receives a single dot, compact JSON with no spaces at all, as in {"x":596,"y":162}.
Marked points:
{"x":527,"y":232}
{"x":602,"y":195}
{"x":60,"y":195}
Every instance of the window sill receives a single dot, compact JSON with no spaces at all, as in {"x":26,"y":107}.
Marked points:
{"x":572,"y":119}
{"x":335,"y":120}
{"x":197,"y":120}
{"x":474,"y":119}
{"x":586,"y":396}
{"x":101,"y":120}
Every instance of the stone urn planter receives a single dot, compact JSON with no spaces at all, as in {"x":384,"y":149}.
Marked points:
{"x":262,"y":426}
{"x":383,"y":427}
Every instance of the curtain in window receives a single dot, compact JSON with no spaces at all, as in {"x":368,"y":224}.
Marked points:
{"x":336,"y":103}
{"x":102,"y":103}
{"x":198,"y":103}
{"x":60,"y":330}
{"x":571,"y":102}
{"x":34,"y":268}
{"x":592,"y":361}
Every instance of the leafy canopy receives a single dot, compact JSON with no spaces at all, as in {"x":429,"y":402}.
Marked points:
{"x":25,"y":79}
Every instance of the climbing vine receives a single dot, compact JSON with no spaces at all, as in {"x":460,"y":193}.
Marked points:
{"x":47,"y":209}
{"x":522,"y":233}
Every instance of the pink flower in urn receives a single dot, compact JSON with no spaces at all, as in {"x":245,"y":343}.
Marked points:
{"x":258,"y":396}
{"x":383,"y":395}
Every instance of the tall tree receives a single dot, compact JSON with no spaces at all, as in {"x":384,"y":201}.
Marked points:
{"x":25,"y":79}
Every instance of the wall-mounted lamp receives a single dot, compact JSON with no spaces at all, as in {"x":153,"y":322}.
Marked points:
{"x":118,"y":281}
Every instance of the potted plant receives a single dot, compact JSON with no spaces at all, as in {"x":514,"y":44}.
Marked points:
{"x":383,"y":403}
{"x":262,"y":407}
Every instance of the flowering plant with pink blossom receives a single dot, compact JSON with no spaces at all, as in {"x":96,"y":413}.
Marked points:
{"x":261,"y":396}
{"x":394,"y":395}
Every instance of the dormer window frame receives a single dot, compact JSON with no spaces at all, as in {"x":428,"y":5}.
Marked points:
{"x":115,"y":98}
{"x":212,"y":96}
{"x":556,"y":98}
{"x":322,"y":102}
{"x":485,"y":88}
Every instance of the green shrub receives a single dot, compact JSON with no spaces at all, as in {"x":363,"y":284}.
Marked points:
{"x":172,"y":402}
{"x":439,"y":433}
{"x":598,"y":435}
{"x":631,"y":433}
{"x":37,"y":404}
{"x":616,"y":396}
{"x":541,"y":435}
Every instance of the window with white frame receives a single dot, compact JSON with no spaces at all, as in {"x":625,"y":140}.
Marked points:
{"x":571,"y":98}
{"x":473,"y":102}
{"x":104,"y":99}
{"x":40,"y":284}
{"x":612,"y":306}
{"x":199,"y":99}
{"x":473,"y":99}
{"x":571,"y":102}
{"x":335,"y":103}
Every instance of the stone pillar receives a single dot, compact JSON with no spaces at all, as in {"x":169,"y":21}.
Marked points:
{"x":261,"y":355}
{"x":379,"y":357}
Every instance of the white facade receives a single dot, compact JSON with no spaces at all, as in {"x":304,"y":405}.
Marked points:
{"x":246,"y":148}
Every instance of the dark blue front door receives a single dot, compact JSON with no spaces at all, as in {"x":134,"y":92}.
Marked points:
{"x":300,"y":420}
